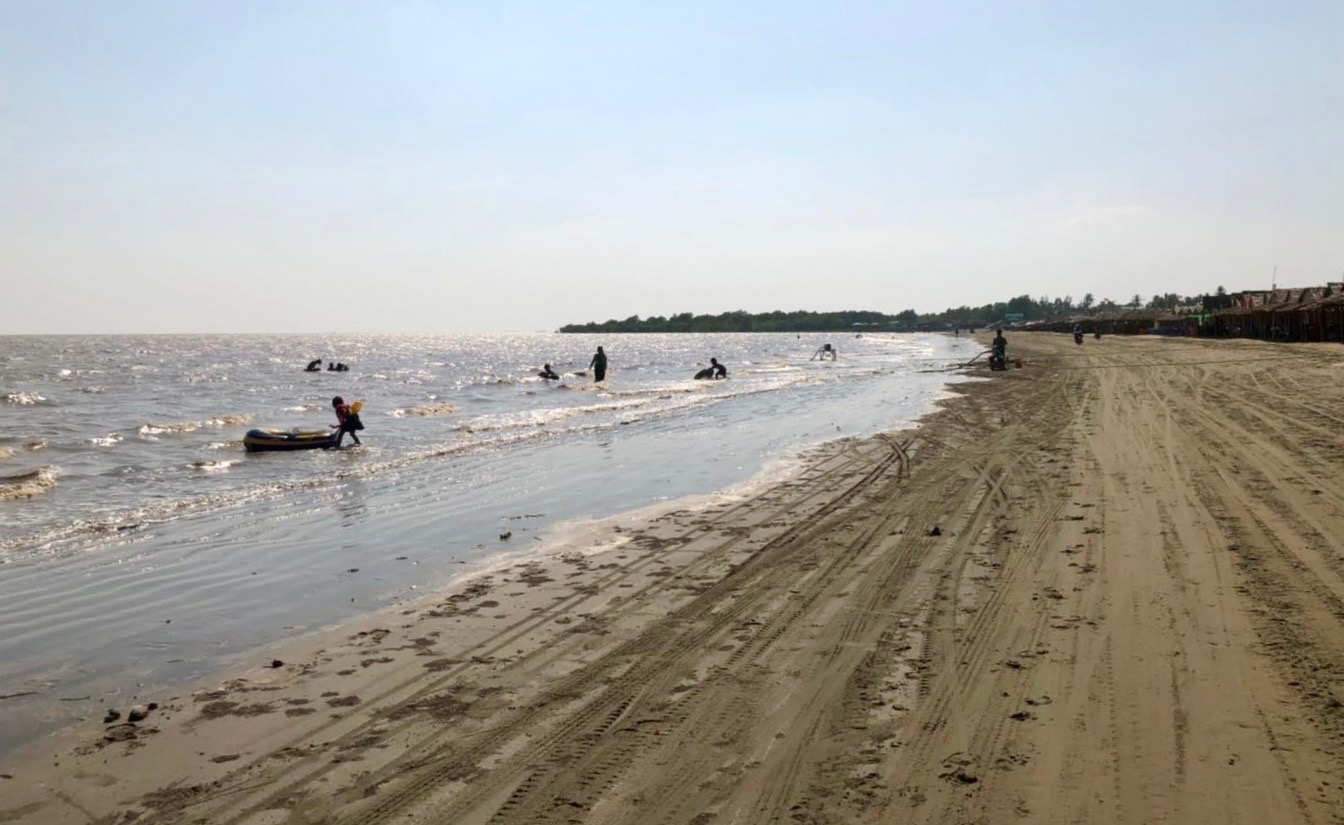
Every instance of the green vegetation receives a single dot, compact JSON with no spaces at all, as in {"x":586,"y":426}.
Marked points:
{"x":1023,"y":306}
{"x":742,"y":322}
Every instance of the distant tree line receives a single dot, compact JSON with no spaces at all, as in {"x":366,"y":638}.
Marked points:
{"x":740,"y":321}
{"x":1023,"y":306}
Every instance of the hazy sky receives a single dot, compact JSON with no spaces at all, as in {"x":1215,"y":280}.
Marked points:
{"x":437,"y":166}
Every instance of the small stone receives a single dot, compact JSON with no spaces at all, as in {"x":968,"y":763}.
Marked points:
{"x":276,"y":663}
{"x":936,"y":531}
{"x":137,"y":714}
{"x":112,"y":716}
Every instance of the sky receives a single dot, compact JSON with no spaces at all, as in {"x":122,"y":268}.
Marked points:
{"x":505,"y":166}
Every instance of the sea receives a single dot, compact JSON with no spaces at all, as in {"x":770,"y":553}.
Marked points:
{"x":142,"y":549}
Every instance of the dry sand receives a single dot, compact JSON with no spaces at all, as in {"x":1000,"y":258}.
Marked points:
{"x":1132,"y":611}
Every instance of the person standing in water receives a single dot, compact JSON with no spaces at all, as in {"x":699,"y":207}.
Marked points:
{"x":346,"y":421}
{"x":599,"y":366}
{"x":548,"y":373}
{"x":719,"y":370}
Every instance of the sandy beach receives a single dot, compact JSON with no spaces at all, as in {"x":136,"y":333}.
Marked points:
{"x":1107,"y":587}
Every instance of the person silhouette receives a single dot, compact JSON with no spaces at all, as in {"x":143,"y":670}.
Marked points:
{"x":599,"y":366}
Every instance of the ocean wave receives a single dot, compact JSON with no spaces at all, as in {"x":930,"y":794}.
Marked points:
{"x":6,"y":452}
{"x":426,"y":410}
{"x":218,"y":422}
{"x":24,"y":398}
{"x":109,"y":440}
{"x":175,"y":427}
{"x":229,"y":421}
{"x":664,"y":391}
{"x":28,"y":484}
{"x":214,"y":466}
{"x":95,"y":390}
{"x":225,"y":445}
{"x":35,"y":445}
{"x":495,"y":433}
{"x":542,"y":417}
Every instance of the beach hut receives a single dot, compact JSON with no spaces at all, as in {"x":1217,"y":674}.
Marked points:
{"x":1286,"y":321}
{"x":1322,"y":318}
{"x":1245,"y":318}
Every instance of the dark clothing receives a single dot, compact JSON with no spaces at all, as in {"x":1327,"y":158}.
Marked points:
{"x":347,"y":422}
{"x":707,"y":372}
{"x":720,"y":371}
{"x":1000,"y":346}
{"x":549,"y":375}
{"x":599,"y":365}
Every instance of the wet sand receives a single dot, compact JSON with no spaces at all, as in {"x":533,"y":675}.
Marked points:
{"x":1107,"y":587}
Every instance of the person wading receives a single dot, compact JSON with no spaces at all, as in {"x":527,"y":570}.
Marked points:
{"x":347,"y":421}
{"x":599,"y":366}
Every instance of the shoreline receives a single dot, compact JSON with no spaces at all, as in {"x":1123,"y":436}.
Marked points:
{"x":324,"y":657}
{"x":553,"y":539}
{"x":1051,"y":599}
{"x":150,"y":608}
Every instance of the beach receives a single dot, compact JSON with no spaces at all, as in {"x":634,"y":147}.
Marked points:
{"x":1105,"y":587}
{"x":144,"y":550}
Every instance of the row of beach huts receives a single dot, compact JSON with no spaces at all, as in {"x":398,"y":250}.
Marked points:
{"x":1314,"y":313}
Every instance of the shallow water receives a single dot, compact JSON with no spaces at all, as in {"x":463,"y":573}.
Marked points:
{"x":141,"y":547}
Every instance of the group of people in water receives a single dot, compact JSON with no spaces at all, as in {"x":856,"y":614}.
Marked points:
{"x":315,"y":365}
{"x":598,"y":365}
{"x":347,"y":419}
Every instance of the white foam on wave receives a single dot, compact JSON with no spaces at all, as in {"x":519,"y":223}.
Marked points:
{"x":500,"y":433}
{"x":546,"y":416}
{"x":28,"y":484}
{"x":109,"y":440}
{"x":426,"y":410}
{"x":175,"y":427}
{"x":214,"y":466}
{"x":6,"y":452}
{"x":24,"y":399}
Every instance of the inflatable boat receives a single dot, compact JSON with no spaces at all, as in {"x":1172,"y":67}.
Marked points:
{"x":261,"y":440}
